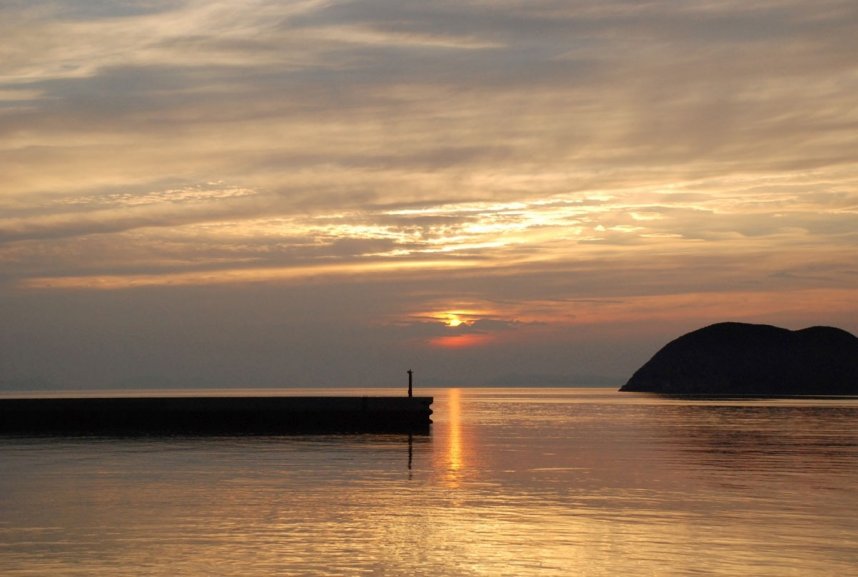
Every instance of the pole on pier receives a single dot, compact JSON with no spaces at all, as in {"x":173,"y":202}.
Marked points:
{"x":410,"y":382}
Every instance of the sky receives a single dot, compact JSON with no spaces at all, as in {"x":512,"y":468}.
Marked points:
{"x":264,"y":193}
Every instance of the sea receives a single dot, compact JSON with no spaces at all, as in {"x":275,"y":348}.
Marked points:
{"x":518,"y":482}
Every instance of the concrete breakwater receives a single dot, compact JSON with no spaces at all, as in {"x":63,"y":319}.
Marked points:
{"x":215,"y":415}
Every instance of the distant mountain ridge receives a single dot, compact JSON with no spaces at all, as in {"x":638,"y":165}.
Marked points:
{"x":748,"y":359}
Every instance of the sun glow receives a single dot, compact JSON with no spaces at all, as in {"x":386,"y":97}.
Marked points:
{"x":453,"y":320}
{"x":458,"y":317}
{"x":461,"y":326}
{"x":461,"y":341}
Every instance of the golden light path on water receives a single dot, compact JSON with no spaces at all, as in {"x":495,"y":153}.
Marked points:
{"x":454,"y":440}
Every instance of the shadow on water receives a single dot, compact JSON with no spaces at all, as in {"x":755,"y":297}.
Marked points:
{"x":752,"y":435}
{"x":337,"y":446}
{"x":748,"y":397}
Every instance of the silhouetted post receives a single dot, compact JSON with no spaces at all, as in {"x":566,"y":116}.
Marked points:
{"x":410,"y":382}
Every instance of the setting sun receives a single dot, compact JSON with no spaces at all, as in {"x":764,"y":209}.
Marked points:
{"x":454,"y":321}
{"x":457,"y":317}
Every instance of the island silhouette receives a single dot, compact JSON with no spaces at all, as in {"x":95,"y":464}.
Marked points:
{"x":734,"y":358}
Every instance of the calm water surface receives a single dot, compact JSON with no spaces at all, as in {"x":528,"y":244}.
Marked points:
{"x":509,"y":482}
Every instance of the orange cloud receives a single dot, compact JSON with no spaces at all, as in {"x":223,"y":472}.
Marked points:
{"x":464,"y":341}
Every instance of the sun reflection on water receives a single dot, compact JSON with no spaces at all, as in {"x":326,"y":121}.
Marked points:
{"x":455,"y":462}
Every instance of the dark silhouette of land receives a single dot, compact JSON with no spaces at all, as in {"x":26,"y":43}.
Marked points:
{"x":214,"y":415}
{"x":748,"y":359}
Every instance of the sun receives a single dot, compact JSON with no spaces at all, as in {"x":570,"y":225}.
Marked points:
{"x":455,"y":318}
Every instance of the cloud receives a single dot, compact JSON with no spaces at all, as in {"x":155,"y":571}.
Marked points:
{"x":554,"y":160}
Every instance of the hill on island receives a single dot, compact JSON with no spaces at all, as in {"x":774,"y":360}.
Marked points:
{"x":747,"y":359}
